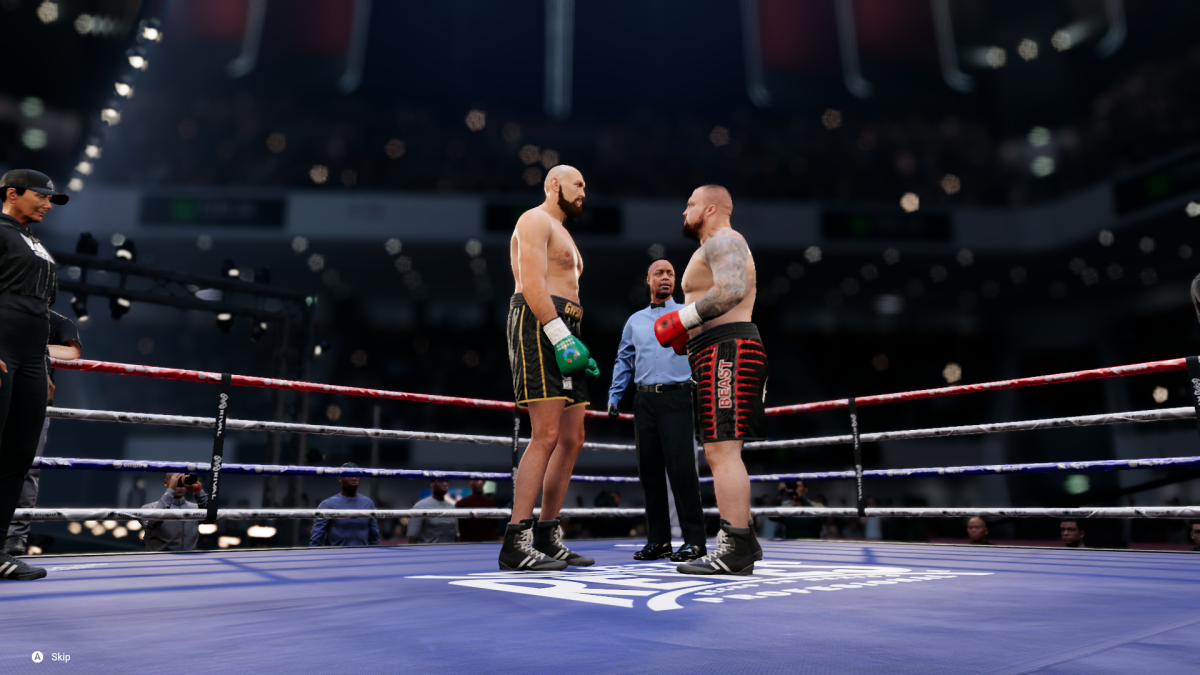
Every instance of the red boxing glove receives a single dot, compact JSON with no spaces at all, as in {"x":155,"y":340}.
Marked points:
{"x":680,"y":345}
{"x":195,"y":487}
{"x":670,"y":326}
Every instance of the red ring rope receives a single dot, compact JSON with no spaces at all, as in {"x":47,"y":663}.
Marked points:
{"x":270,"y":383}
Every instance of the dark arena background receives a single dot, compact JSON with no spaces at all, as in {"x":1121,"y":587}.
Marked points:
{"x":987,"y":208}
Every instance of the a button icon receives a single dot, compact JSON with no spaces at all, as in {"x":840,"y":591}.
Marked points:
{"x":37,"y":657}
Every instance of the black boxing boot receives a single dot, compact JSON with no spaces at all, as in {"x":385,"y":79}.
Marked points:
{"x":518,"y":555}
{"x":757,"y":547}
{"x":12,"y":569}
{"x":733,"y":555}
{"x":548,"y":538}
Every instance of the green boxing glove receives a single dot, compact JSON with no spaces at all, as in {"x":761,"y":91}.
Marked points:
{"x":570,"y":353}
{"x":593,"y":370}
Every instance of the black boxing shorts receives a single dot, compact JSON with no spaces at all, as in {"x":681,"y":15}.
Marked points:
{"x":729,"y":367}
{"x":531,"y":355}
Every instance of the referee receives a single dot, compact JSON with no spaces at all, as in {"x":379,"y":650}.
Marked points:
{"x":28,"y":286}
{"x":663,"y":417}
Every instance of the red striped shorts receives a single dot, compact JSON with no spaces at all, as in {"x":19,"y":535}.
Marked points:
{"x":729,"y":367}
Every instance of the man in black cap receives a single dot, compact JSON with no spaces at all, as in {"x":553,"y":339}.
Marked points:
{"x":28,"y":286}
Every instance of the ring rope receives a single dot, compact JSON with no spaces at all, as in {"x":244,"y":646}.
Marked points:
{"x":145,"y":466}
{"x":936,"y":432}
{"x":255,"y":425}
{"x":271,"y":383}
{"x":293,"y":385}
{"x":998,"y":427}
{"x":1172,"y":512}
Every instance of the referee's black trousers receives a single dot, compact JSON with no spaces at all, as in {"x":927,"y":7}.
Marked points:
{"x":663,"y":428}
{"x":22,"y":402}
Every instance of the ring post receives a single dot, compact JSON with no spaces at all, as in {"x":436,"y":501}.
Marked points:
{"x":218,"y":447}
{"x":516,"y":449}
{"x":1193,"y":370}
{"x":858,"y":470}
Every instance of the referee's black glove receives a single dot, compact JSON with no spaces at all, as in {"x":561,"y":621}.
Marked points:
{"x":612,"y":411}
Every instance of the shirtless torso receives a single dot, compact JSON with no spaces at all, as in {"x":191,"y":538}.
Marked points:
{"x":721,"y":253}
{"x":544,"y":258}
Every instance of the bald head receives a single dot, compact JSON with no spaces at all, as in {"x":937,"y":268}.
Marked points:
{"x":717,"y":196}
{"x":565,"y":190}
{"x":708,"y":209}
{"x":561,"y":176}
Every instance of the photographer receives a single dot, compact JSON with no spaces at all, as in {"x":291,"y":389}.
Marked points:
{"x":175,"y":535}
{"x":794,"y":494}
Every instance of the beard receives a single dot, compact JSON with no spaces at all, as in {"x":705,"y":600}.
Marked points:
{"x":691,"y":231}
{"x":567,"y":207}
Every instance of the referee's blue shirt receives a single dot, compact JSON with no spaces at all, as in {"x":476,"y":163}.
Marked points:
{"x":640,"y":353}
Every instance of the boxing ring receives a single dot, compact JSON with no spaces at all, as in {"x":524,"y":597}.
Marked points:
{"x":809,"y":607}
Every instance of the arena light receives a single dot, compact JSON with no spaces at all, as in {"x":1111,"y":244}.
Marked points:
{"x":258,"y":330}
{"x":226,"y":542}
{"x":74,"y":528}
{"x":225,"y":322}
{"x":118,"y":307}
{"x":34,"y":550}
{"x":320,"y":347}
{"x":260,"y":532}
{"x":1027,"y":50}
{"x":110,"y":116}
{"x":151,"y":32}
{"x":89,"y":524}
{"x":120,"y":532}
{"x":47,"y":12}
{"x":137,"y":58}
{"x":1192,"y":209}
{"x":85,"y":168}
{"x":207,"y":528}
{"x":133,"y":525}
{"x":1041,"y":166}
{"x":126,"y":250}
{"x":110,"y":524}
{"x":79,"y":305}
{"x":228,"y":269}
{"x":75,"y":184}
{"x":92,"y":151}
{"x":910,"y":202}
{"x":98,"y":530}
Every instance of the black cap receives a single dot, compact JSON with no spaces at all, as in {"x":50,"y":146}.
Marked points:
{"x":33,"y":180}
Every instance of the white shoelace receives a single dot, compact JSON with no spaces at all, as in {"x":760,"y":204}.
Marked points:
{"x":723,"y":547}
{"x":525,"y":543}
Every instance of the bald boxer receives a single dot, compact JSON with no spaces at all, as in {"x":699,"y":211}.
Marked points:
{"x":729,"y":367}
{"x":550,"y":366}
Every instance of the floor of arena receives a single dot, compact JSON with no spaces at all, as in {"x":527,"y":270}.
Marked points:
{"x":811,"y":607}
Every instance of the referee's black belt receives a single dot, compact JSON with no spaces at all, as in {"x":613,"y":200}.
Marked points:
{"x":663,"y":388}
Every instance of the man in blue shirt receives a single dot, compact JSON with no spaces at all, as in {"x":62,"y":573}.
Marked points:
{"x":346,"y":531}
{"x":663,"y":418}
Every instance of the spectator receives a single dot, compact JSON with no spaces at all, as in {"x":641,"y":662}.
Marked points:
{"x":346,"y":531}
{"x":1072,"y":533}
{"x":795,"y":494}
{"x":476,"y":529}
{"x":1194,"y":533}
{"x":63,"y":344}
{"x":977,"y":532}
{"x":767,"y":527}
{"x":434,"y":530}
{"x":175,"y":535}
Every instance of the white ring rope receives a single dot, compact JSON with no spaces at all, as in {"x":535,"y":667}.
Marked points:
{"x":1172,"y":512}
{"x":972,"y":429}
{"x":254,"y":425}
{"x":938,"y":432}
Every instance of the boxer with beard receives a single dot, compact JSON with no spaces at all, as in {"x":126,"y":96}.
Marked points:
{"x":550,"y":366}
{"x":729,"y":368}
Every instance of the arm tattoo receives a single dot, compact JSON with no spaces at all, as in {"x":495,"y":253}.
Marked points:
{"x":728,"y":257}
